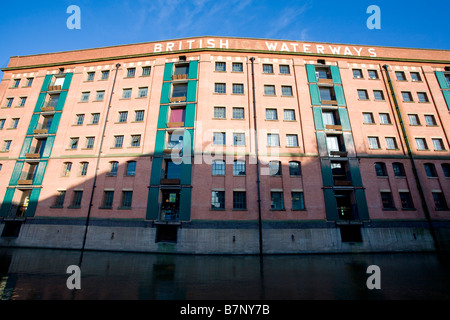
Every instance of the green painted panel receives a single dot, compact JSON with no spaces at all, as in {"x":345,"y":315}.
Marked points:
{"x":441,"y":79}
{"x":193,"y":70}
{"x":25,"y":147}
{"x":40,"y":102}
{"x":48,"y":147}
{"x":446,"y":94}
{"x":327,"y":174}
{"x":7,"y":201}
{"x":330,"y":205}
{"x":55,"y":123}
{"x":33,"y":123}
{"x":189,"y":119}
{"x":185,"y":204}
{"x":311,"y":72}
{"x":343,"y":116}
{"x":186,"y":173}
{"x":361,"y":203}
{"x":160,"y":142}
{"x":16,"y":173}
{"x":315,"y":95}
{"x":152,"y":204}
{"x":188,"y":145}
{"x":318,"y":119}
{"x":355,"y":172}
{"x":47,"y":80}
{"x":168,"y":72}
{"x":67,"y":81}
{"x":192,"y":91}
{"x":339,"y":92}
{"x":322,"y":143}
{"x":33,"y":202}
{"x":335,"y":75}
{"x":348,"y":142}
{"x":165,"y":92}
{"x":155,"y":178}
{"x":163,"y":116}
{"x":39,"y":173}
{"x":61,"y":101}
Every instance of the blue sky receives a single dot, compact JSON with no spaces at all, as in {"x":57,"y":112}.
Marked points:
{"x":32,"y":27}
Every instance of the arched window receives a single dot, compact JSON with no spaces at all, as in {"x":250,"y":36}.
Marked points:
{"x":430,"y":170}
{"x":295,"y":168}
{"x":380,"y":169}
{"x":399,"y":169}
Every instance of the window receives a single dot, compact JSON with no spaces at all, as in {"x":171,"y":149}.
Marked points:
{"x":59,"y":200}
{"x":362,"y":94}
{"x":291,"y":140}
{"x":2,"y":123}
{"x":105,"y":75}
{"x":407,"y":97}
{"x":323,"y":73}
{"x":219,"y":138}
{"x":391,"y":143}
{"x":298,"y":201}
{"x":143,"y":92}
{"x":399,"y":169}
{"x":415,"y":76}
{"x":430,"y":170}
{"x":85,"y":96}
{"x":23,"y":100}
{"x":378,"y":94}
{"x":237,"y":67}
{"x":423,"y":98}
{"x":73,"y":143}
{"x":446,"y":169}
{"x":218,"y":200}
{"x":14,"y":123}
{"x":413,"y":119}
{"x":284,"y":69}
{"x":387,"y":201}
{"x":29,"y":82}
{"x":333,"y":143}
{"x":118,"y":141}
{"x":380,"y":169}
{"x":430,"y":120}
{"x":326,"y":93}
{"x":273,"y":140}
{"x":295,"y":169}
{"x":220,"y":88}
{"x":221,"y":66}
{"x":439,"y":201}
{"x":139,"y":116}
{"x":421,"y":144}
{"x":286,"y":91}
{"x":80,"y":119}
{"x":384,"y":118}
{"x":16,"y":83}
{"x":400,"y":75}
{"x":238,"y":113}
{"x":131,"y":168}
{"x":239,"y":168}
{"x":357,"y":73}
{"x":267,"y":68}
{"x":238,"y":88}
{"x":374,"y":143}
{"x":126,"y":93}
{"x":108,"y":197}
{"x":289,"y":115}
{"x":76,"y":200}
{"x":406,"y":200}
{"x":131,"y":72}
{"x":127,"y":197}
{"x":373,"y":74}
{"x":67,"y":166}
{"x":114,"y":166}
{"x":100,"y":96}
{"x":9,"y":102}
{"x":276,"y":200}
{"x":146,"y":71}
{"x":95,"y":118}
{"x":219,"y":112}
{"x":269,"y":90}
{"x":123,"y":115}
{"x":239,"y":139}
{"x":90,"y":76}
{"x":6,"y":145}
{"x":90,"y":142}
{"x":181,"y":69}
{"x":368,"y":118}
{"x":83,"y":168}
{"x":271,"y":114}
{"x":136,"y":140}
{"x":218,"y":168}
{"x":239,"y":200}
{"x":438,"y":144}
{"x":275,"y":168}
{"x":447,"y":77}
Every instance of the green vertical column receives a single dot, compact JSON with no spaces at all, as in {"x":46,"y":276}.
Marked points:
{"x":361,"y":203}
{"x":327,"y":174}
{"x":48,"y":147}
{"x":168,"y":72}
{"x":335,"y":75}
{"x":39,"y":173}
{"x":165,"y":92}
{"x":16,"y":173}
{"x":33,"y":123}
{"x":193,"y":70}
{"x":185,"y":204}
{"x":191,"y":91}
{"x":339,"y":92}
{"x":47,"y":80}
{"x":25,"y":147}
{"x":33,"y":202}
{"x":163,"y":116}
{"x":441,"y":79}
{"x":7,"y":201}
{"x":152,"y":203}
{"x":343,"y":116}
{"x":155,"y":178}
{"x":315,"y":95}
{"x":311,"y":73}
{"x":318,"y":118}
{"x":189,"y":118}
{"x":330,"y":205}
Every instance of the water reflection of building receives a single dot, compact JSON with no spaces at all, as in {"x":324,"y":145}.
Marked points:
{"x":156,"y":150}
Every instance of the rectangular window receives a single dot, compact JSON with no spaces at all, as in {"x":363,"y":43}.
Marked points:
{"x":415,"y":76}
{"x":374,"y":143}
{"x":384,"y":118}
{"x":400,"y":75}
{"x":2,"y":123}
{"x":220,"y":88}
{"x":219,"y":112}
{"x":329,"y":118}
{"x":291,"y":140}
{"x":67,"y":167}
{"x":407,"y":97}
{"x":80,"y":119}
{"x":362,"y":94}
{"x":59,"y":200}
{"x":23,"y":100}
{"x":239,"y":200}
{"x":9,"y":102}
{"x":438,"y":144}
{"x":16,"y":83}
{"x":118,"y":141}
{"x":73,"y":143}
{"x":326,"y":93}
{"x":276,"y":201}
{"x":378,"y":95}
{"x":238,"y":67}
{"x":271,"y":114}
{"x":6,"y":145}
{"x":421,"y":144}
{"x":267,"y":68}
{"x":373,"y":74}
{"x":391,"y":143}
{"x":387,"y":201}
{"x":439,"y":201}
{"x":238,"y":88}
{"x":284,"y":69}
{"x":269,"y":90}
{"x":430,"y":120}
{"x":90,"y":76}
{"x":295,"y":168}
{"x":146,"y":71}
{"x":126,"y":93}
{"x":239,"y":168}
{"x":273,"y":140}
{"x":131,"y":72}
{"x":238,"y":113}
{"x":413,"y":119}
{"x":143,"y":92}
{"x":127,"y":197}
{"x":114,"y":167}
{"x":298,"y":201}
{"x":123,"y":115}
{"x":422,"y":97}
{"x":136,"y":140}
{"x":85,"y":96}
{"x":323,"y":73}
{"x":139,"y":116}
{"x":14,"y":123}
{"x":218,"y":168}
{"x":90,"y":142}
{"x":76,"y":200}
{"x":357,"y":74}
{"x":218,"y":200}
{"x":108,"y":198}
{"x":406,"y":200}
{"x":29,"y":82}
{"x":239,"y":139}
{"x":95,"y":118}
{"x":105,"y":75}
{"x":219,"y":138}
{"x":286,"y":91}
{"x":221,"y":66}
{"x":289,"y":115}
{"x":100,"y":96}
{"x":368,"y":118}
{"x":83,"y":168}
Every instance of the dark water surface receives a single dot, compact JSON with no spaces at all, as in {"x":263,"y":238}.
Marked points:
{"x":30,"y":274}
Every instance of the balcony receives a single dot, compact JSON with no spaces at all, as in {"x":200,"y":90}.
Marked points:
{"x":329,"y":102}
{"x":169,"y":215}
{"x":41,"y":128}
{"x":176,"y":77}
{"x":175,"y":124}
{"x":333,"y":127}
{"x":325,"y":81}
{"x":170,"y":182}
{"x":338,"y":153}
{"x":48,"y":107}
{"x":177,"y":99}
{"x":26,"y":178}
{"x":53,"y":88}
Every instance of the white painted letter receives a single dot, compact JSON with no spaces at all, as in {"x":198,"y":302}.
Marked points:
{"x":271,"y":46}
{"x":224,"y":44}
{"x":211,"y":43}
{"x":374,"y":21}
{"x":73,"y":282}
{"x":306,"y":48}
{"x":320,"y":49}
{"x":169,"y":46}
{"x":372,"y":52}
{"x":374,"y":281}
{"x":74,"y":21}
{"x":158,"y":47}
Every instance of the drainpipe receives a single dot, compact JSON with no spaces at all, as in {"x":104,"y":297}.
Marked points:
{"x":98,"y":162}
{"x":411,"y":157}
{"x":252,"y":59}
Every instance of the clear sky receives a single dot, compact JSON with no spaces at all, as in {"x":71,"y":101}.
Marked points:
{"x":32,"y":27}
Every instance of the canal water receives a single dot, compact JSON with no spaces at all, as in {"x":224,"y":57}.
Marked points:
{"x":41,"y":274}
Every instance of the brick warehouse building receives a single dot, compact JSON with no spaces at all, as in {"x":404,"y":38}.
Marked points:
{"x":227,"y":145}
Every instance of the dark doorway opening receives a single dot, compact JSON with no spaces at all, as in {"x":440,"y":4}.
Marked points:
{"x":351,"y":233}
{"x":166,"y":233}
{"x":11,"y":229}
